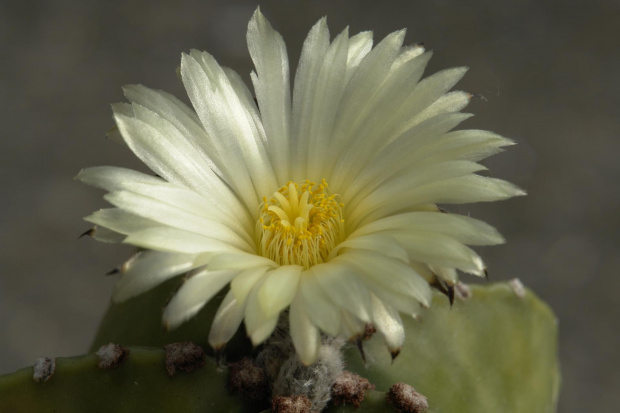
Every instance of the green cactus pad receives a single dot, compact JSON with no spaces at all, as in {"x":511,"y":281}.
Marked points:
{"x":139,"y":384}
{"x":138,"y":322}
{"x":493,"y":352}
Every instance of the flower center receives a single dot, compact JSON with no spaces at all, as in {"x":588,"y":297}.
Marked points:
{"x":300,"y":224}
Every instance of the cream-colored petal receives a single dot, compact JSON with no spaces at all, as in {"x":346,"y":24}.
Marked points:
{"x":211,"y":109}
{"x":278,"y":289}
{"x":168,"y":107}
{"x":449,"y":103}
{"x":264,"y":331}
{"x":312,"y":54}
{"x":112,"y":178}
{"x":462,"y":228}
{"x":326,"y":101}
{"x":226,"y":321}
{"x":344,"y":287}
{"x":364,"y":82}
{"x":168,"y":239}
{"x":393,"y":274}
{"x":168,"y":215}
{"x":244,"y":283}
{"x":383,"y":244}
{"x":472,"y":145}
{"x":194,"y":294}
{"x":321,"y":311}
{"x":104,"y":234}
{"x":387,"y":198}
{"x":239,"y":261}
{"x":149,"y":269}
{"x":388,"y":323}
{"x":120,"y":221}
{"x":370,"y":136}
{"x":231,"y":121}
{"x":407,"y":151}
{"x":359,"y":46}
{"x":306,"y":337}
{"x":351,"y":327}
{"x":222,"y":208}
{"x":273,"y":90}
{"x":426,"y":92}
{"x":257,"y":325}
{"x":168,"y":155}
{"x":441,"y":250}
{"x":447,"y":274}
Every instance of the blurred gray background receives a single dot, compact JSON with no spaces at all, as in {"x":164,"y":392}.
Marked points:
{"x":548,"y":71}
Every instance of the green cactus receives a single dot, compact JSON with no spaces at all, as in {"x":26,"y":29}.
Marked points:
{"x":137,"y":322}
{"x":139,"y":384}
{"x":493,"y":352}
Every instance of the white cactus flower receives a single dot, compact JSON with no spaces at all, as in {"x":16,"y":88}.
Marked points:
{"x":322,"y":201}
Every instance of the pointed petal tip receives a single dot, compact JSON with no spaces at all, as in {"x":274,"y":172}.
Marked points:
{"x":79,"y":175}
{"x":166,"y":327}
{"x":394,"y":354}
{"x":451,"y":295}
{"x":90,"y":232}
{"x":360,"y":347}
{"x":218,"y":353}
{"x":113,"y":271}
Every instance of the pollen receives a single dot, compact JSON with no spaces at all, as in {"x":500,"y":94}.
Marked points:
{"x":300,"y":224}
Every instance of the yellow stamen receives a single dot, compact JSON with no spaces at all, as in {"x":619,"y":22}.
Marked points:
{"x":300,"y":224}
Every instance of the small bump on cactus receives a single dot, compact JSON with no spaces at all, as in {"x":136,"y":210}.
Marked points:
{"x":404,"y":399}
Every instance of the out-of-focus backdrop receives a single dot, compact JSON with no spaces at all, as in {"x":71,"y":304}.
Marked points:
{"x":548,"y":72}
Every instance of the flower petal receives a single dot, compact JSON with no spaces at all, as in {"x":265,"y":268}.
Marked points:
{"x":388,"y":323}
{"x":168,"y":215}
{"x":406,"y":151}
{"x":240,"y":261}
{"x":273,"y":91}
{"x":112,"y":178}
{"x":226,"y":321}
{"x":306,"y":337}
{"x":120,"y":221}
{"x":387,"y":198}
{"x":364,"y":82}
{"x":359,"y":46}
{"x":278,"y":289}
{"x":243,"y":283}
{"x":342,"y":285}
{"x":441,"y":250}
{"x":462,"y":228}
{"x":382,"y":244}
{"x":312,"y":54}
{"x":194,"y":294}
{"x":257,"y":325}
{"x":319,"y":308}
{"x":325,"y":103}
{"x":174,"y":240}
{"x":149,"y":269}
{"x":392,"y":274}
{"x":167,"y":155}
{"x":212,"y":109}
{"x":370,"y":135}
